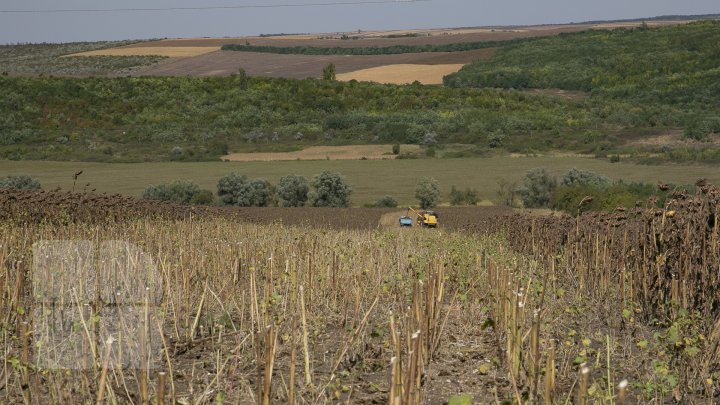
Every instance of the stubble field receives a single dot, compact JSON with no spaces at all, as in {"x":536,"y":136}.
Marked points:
{"x":500,"y":307}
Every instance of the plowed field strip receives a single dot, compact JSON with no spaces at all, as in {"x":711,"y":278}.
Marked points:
{"x":222,"y":63}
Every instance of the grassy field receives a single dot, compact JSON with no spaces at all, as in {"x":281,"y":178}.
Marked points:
{"x":370,"y":179}
{"x":344,"y":152}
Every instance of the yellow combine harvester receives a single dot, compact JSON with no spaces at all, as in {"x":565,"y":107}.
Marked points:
{"x":426,"y":219}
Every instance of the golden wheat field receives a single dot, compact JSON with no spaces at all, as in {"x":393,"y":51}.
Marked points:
{"x":168,"y":51}
{"x":402,"y":74}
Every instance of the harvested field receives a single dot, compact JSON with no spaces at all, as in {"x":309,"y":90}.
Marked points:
{"x":167,"y":51}
{"x":402,"y":74}
{"x":380,"y":38}
{"x":494,"y":305}
{"x":224,"y":63}
{"x":348,"y":152}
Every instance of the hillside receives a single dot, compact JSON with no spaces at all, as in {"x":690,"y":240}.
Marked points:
{"x":677,"y":68}
{"x":626,"y":85}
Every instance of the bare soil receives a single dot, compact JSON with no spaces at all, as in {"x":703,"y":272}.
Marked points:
{"x":224,"y":63}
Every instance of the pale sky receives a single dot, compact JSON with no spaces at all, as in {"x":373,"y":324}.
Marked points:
{"x":96,"y":26}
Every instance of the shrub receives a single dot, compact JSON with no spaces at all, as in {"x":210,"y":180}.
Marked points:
{"x":386,"y":202}
{"x":457,"y":197}
{"x":181,"y":192}
{"x":293,"y":191}
{"x":471,"y":197}
{"x":537,"y":188}
{"x":203,"y":197}
{"x":576,"y":177}
{"x":329,"y":72}
{"x":467,"y":197}
{"x":506,"y":192}
{"x":396,"y":149}
{"x":20,"y":181}
{"x":430,"y":152}
{"x":330,"y":190}
{"x":427,"y":192}
{"x":238,"y":190}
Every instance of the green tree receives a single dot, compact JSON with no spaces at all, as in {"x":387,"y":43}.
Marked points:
{"x":471,"y":196}
{"x":386,"y":202}
{"x":457,"y":197}
{"x":427,"y":192}
{"x":537,"y":188}
{"x":576,"y":177}
{"x":293,"y":191}
{"x":330,"y":190}
{"x":329,"y":72}
{"x":181,"y":192}
{"x":21,"y":182}
{"x":238,"y":190}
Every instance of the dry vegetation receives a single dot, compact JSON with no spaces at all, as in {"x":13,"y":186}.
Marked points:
{"x":170,"y":51}
{"x":402,"y":74}
{"x":497,"y":306}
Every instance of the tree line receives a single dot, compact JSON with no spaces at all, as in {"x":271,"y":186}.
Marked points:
{"x":372,"y":50}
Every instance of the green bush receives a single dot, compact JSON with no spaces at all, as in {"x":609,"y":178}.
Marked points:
{"x":292,"y":191}
{"x":181,"y":192}
{"x":537,"y":188}
{"x":427,"y":192}
{"x":330,"y":190}
{"x":329,"y":72}
{"x":238,"y":190}
{"x":20,"y":181}
{"x":386,"y":202}
{"x":576,"y":177}
{"x":203,"y":197}
{"x":467,"y":197}
{"x":396,"y":149}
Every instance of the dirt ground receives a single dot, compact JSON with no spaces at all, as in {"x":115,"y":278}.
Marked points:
{"x":224,"y":63}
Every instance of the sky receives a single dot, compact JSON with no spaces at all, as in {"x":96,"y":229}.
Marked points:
{"x":117,"y":25}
